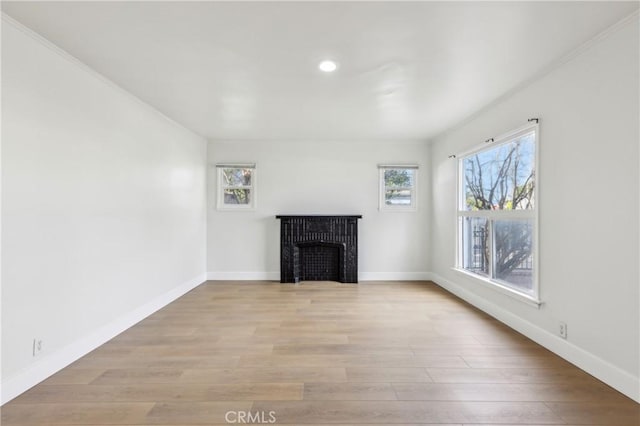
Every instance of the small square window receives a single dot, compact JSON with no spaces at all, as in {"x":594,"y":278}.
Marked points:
{"x":236,"y":186}
{"x":398,"y":187}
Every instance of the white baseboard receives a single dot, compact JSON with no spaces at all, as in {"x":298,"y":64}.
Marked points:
{"x":50,"y":364}
{"x":275,"y":276}
{"x":394,"y":276}
{"x":243,"y":276}
{"x":615,"y":377}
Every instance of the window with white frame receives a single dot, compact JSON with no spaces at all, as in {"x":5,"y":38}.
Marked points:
{"x":398,"y":184}
{"x":236,"y":186}
{"x":497,"y":213}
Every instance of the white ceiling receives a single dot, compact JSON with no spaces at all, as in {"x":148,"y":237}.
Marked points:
{"x":248,"y":70}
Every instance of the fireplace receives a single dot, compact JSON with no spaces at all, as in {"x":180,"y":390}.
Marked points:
{"x":318,"y":248}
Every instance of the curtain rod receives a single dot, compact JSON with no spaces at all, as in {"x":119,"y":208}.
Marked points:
{"x":398,"y":166}
{"x":236,"y":165}
{"x":491,"y":140}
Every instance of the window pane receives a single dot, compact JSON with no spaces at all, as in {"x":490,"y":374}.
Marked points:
{"x":398,"y":178}
{"x":514,"y":253}
{"x":237,"y":177}
{"x":475,"y":244}
{"x":397,"y":197}
{"x":502,"y":178}
{"x":237,"y":196}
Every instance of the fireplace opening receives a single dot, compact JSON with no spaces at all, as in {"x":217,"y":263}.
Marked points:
{"x":321,"y":262}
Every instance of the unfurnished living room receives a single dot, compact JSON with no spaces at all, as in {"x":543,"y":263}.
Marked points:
{"x":320,"y":213}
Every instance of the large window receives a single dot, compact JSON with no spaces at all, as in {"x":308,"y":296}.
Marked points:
{"x":236,"y":186}
{"x":497,"y":212}
{"x":398,"y":187}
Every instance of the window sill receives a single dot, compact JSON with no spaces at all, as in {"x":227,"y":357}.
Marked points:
{"x":529,"y":300}
{"x":236,"y":209}
{"x":398,"y":209}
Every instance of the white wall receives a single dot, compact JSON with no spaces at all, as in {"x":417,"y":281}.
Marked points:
{"x":588,"y":199}
{"x":312,"y":177}
{"x":103,"y":210}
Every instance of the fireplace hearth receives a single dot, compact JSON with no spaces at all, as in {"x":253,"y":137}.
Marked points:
{"x":318,"y":248}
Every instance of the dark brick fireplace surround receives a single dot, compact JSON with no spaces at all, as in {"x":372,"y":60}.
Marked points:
{"x":318,"y":248}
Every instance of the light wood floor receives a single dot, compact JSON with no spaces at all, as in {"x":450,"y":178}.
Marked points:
{"x":321,"y":353}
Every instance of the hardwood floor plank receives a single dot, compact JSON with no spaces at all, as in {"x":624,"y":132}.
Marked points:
{"x":543,"y":361}
{"x":99,"y":363}
{"x":352,"y":360}
{"x":406,"y":374}
{"x":377,"y":412}
{"x":532,"y":392}
{"x":74,"y":375}
{"x":607,"y":413}
{"x":348,"y":360}
{"x":297,"y":339}
{"x":320,"y":349}
{"x":508,"y":375}
{"x":123,"y":376}
{"x":75,"y":413}
{"x":349,"y":392}
{"x":187,"y":413}
{"x":392,"y":412}
{"x":478,"y":350}
{"x":435,"y":361}
{"x":163,"y":392}
{"x":424,"y":339}
{"x":256,"y":392}
{"x":265,"y":375}
{"x":205,"y":349}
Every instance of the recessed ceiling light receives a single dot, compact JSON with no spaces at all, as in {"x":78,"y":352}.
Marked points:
{"x":328,"y":66}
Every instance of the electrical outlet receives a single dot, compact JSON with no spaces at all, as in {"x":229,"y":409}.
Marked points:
{"x":36,"y":347}
{"x":563,"y":330}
